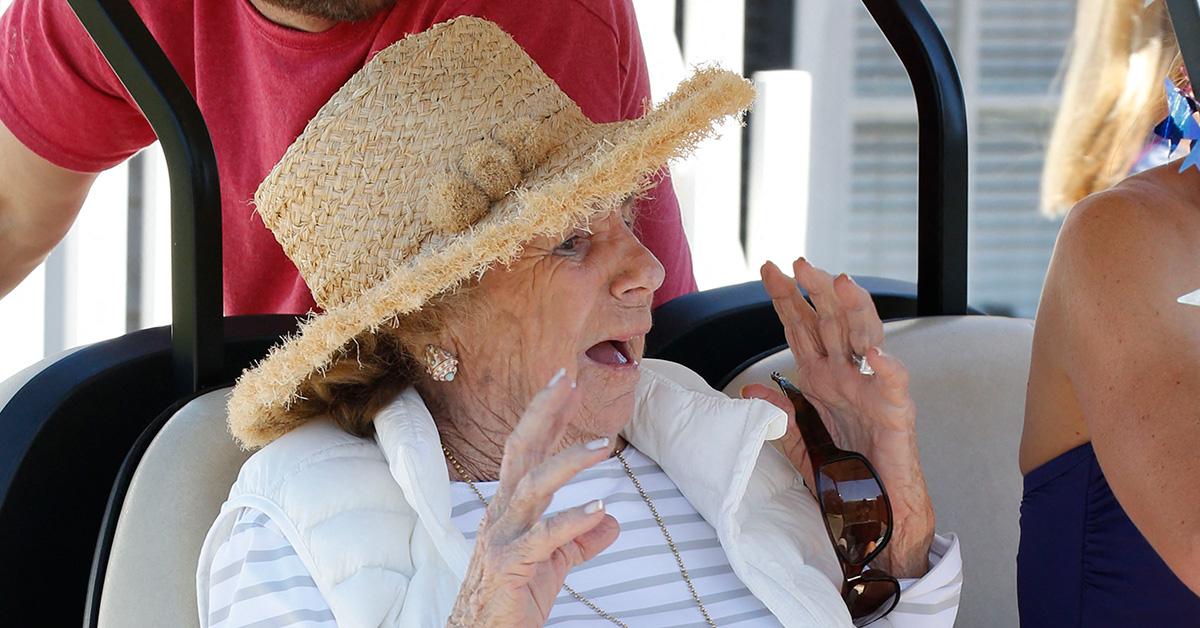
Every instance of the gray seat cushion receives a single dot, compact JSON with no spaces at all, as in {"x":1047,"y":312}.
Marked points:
{"x":174,"y":496}
{"x":968,"y":377}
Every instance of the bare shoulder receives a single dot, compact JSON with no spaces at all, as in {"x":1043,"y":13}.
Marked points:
{"x":1122,"y":260}
{"x":1129,"y":351}
{"x":1143,"y":229}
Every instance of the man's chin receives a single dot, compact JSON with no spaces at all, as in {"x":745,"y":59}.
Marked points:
{"x":334,"y":10}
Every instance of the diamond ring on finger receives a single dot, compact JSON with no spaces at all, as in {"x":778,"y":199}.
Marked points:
{"x":861,"y":363}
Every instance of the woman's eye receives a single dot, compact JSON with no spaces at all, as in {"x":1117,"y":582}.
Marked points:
{"x":574,"y":245}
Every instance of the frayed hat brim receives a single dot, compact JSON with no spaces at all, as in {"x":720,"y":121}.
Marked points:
{"x":604,"y":166}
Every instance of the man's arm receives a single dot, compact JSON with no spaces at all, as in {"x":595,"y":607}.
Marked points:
{"x":38,"y":203}
{"x":64,"y":115}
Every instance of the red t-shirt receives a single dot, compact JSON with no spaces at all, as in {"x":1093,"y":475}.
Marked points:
{"x":258,"y":84}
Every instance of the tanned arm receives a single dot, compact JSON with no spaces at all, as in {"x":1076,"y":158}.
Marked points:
{"x":38,"y":203}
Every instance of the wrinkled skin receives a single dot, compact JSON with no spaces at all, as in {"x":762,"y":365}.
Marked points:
{"x":872,"y":415}
{"x":528,"y":322}
{"x":540,"y":316}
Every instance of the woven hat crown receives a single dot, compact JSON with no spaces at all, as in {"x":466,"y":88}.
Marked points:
{"x":443,"y":157}
{"x":413,"y":150}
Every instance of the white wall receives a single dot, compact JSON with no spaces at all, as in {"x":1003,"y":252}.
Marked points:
{"x":708,"y":183}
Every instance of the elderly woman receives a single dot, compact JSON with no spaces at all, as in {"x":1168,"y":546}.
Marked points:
{"x":468,"y":436}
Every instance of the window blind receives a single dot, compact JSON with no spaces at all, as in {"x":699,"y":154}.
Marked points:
{"x":1009,"y":60}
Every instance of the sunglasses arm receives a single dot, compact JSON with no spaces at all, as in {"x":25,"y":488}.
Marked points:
{"x":812,"y":428}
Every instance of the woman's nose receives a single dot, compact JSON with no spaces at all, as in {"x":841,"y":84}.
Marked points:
{"x":640,"y":273}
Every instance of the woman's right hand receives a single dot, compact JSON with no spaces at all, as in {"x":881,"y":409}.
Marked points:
{"x":522,"y":559}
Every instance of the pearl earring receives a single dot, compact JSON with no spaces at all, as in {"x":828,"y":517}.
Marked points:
{"x":441,"y":365}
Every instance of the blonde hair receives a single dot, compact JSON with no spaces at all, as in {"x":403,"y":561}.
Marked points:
{"x":1121,"y":51}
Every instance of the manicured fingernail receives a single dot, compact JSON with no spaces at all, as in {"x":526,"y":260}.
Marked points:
{"x":877,"y":352}
{"x":599,"y":443}
{"x":594,"y":507}
{"x":561,"y":373}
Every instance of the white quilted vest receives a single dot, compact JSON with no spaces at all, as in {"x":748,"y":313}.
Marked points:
{"x":371,"y":518}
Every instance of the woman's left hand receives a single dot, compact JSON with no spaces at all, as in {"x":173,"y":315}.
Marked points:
{"x":871,"y":414}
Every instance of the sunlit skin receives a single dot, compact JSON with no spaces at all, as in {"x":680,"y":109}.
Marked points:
{"x":1116,"y":359}
{"x":566,"y":298}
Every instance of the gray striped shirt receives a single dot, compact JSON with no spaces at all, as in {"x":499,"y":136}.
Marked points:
{"x":258,"y":580}
{"x":636,"y":578}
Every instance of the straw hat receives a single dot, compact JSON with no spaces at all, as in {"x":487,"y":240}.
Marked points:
{"x":434,"y":162}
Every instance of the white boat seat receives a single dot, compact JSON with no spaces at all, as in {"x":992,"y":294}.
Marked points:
{"x":182,"y":480}
{"x":968,"y":377}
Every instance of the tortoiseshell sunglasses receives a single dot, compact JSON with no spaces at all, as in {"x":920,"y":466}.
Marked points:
{"x":856,"y":510}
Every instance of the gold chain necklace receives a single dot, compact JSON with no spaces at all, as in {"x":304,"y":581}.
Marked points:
{"x":458,"y":468}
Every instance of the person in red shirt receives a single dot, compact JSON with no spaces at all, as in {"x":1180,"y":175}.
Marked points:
{"x":260,"y":70}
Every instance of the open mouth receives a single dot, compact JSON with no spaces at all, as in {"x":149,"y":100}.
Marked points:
{"x":616,"y":353}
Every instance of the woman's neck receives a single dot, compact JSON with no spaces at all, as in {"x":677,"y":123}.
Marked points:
{"x":471,"y":429}
{"x":475,"y":435}
{"x":478,"y":449}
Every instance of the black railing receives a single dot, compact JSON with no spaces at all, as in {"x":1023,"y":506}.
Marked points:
{"x":196,"y":273}
{"x":943,"y":168}
{"x":1185,"y":17}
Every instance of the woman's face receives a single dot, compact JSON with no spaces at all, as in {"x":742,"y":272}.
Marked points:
{"x":580,"y":301}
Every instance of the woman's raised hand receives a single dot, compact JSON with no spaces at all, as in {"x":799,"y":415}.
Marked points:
{"x":522,"y":559}
{"x":873,"y":415}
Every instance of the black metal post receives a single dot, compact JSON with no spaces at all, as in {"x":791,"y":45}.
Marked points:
{"x":942,"y":182}
{"x":1185,"y":17}
{"x":196,"y":299}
